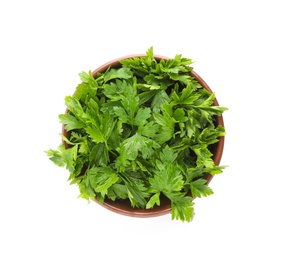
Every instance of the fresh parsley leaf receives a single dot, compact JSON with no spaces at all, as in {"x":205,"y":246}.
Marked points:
{"x":71,"y":122}
{"x":121,"y":73}
{"x":167,"y":125}
{"x":56,"y":156}
{"x":155,"y":199}
{"x":138,"y":143}
{"x":182,"y":207}
{"x":137,"y":194}
{"x":199,"y":188}
{"x":102,"y":178}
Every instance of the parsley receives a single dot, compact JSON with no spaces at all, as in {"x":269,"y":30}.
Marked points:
{"x":141,"y":131}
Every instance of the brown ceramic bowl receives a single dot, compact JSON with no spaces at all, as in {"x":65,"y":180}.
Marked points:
{"x":124,"y":207}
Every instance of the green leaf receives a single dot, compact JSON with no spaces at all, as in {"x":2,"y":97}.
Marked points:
{"x":88,"y":78}
{"x":153,"y":200}
{"x":167,"y":127}
{"x":130,"y":105}
{"x":182,"y":208}
{"x":149,"y":56}
{"x":117,"y":190}
{"x":138,"y":143}
{"x":122,"y":114}
{"x":150,"y":129}
{"x":185,"y":79}
{"x":137,"y":195}
{"x":210,"y":136}
{"x":196,"y":172}
{"x":158,"y":80}
{"x":142,"y":115}
{"x":204,"y":156}
{"x":108,"y":124}
{"x":179,"y":115}
{"x":95,"y":134}
{"x":208,"y":101}
{"x":92,"y":113}
{"x":199,"y":188}
{"x":74,"y":107}
{"x":70,"y":156}
{"x":84,"y":90}
{"x":159,"y":99}
{"x":102,"y":178}
{"x":167,"y":156}
{"x":186,"y":97}
{"x":145,"y":96}
{"x":111,"y":91}
{"x":99,"y":155}
{"x":85,"y":189}
{"x":217,"y":169}
{"x":167,"y":178}
{"x":71,"y":122}
{"x":121,"y":73}
{"x":56,"y":156}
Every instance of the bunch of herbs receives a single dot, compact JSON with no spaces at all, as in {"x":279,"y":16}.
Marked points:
{"x":141,"y":131}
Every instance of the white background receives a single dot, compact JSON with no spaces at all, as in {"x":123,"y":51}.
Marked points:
{"x":242,"y":49}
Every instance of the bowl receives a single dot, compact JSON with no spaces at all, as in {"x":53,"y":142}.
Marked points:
{"x":124,"y":207}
